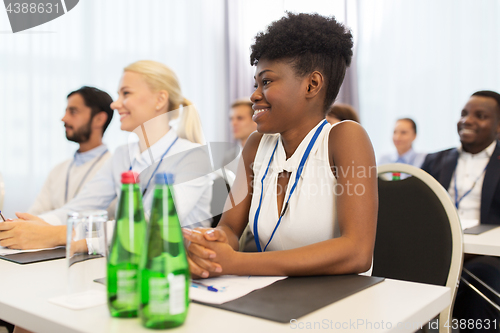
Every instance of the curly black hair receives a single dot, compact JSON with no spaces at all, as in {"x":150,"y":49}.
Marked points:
{"x":312,"y":42}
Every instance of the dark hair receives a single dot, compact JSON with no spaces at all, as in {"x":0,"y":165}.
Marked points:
{"x":413,"y":125}
{"x":243,"y":101}
{"x":491,"y":94}
{"x":97,"y":100}
{"x":312,"y":42}
{"x":343,"y":112}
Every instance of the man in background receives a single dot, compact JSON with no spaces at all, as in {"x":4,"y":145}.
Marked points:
{"x":88,"y":114}
{"x":241,"y":120}
{"x":471,"y":174}
{"x":242,"y":126}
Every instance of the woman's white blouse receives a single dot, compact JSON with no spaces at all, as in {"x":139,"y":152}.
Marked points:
{"x":311,"y":213}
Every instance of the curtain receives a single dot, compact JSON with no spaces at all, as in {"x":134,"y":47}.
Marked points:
{"x":247,"y":18}
{"x":348,"y":93}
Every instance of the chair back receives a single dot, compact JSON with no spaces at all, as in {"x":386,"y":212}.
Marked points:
{"x":419,"y":236}
{"x":220,"y":190}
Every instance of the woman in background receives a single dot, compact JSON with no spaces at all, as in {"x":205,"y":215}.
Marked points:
{"x":148,"y":92}
{"x":405,"y":132}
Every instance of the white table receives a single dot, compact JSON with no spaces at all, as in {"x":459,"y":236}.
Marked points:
{"x":487,"y":243}
{"x":25,"y":290}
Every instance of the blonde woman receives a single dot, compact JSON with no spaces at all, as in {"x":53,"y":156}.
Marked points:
{"x":148,"y":94}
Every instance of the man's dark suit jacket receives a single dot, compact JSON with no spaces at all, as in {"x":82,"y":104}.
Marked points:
{"x":441,"y":166}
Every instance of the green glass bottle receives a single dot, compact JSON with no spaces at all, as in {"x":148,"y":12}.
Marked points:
{"x":126,"y":249}
{"x":164,"y":271}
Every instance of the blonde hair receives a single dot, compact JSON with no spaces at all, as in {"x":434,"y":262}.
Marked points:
{"x":160,"y":77}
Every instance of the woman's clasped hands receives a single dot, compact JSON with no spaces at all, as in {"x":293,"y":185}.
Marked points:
{"x":209,"y":252}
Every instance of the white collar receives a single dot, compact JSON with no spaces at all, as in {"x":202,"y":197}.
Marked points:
{"x":485,"y":153}
{"x":82,"y":158}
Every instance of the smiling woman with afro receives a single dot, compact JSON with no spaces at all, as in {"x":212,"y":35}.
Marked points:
{"x":307,"y":189}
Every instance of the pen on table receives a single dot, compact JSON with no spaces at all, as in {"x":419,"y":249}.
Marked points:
{"x":197,"y":284}
{"x":3,"y":218}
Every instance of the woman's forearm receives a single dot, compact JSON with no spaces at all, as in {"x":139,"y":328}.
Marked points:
{"x":335,"y":256}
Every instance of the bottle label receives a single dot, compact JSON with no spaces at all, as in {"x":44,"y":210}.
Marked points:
{"x":177,"y":294}
{"x":161,"y":301}
{"x":126,"y":290}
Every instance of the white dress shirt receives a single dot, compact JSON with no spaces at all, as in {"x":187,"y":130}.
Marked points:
{"x":469,"y":175}
{"x":186,"y":160}
{"x":68,"y":178}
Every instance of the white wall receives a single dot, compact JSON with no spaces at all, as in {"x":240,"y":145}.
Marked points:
{"x":423,"y":59}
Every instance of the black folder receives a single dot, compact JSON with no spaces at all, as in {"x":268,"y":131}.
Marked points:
{"x":37,"y":256}
{"x":295,"y":297}
{"x":479,"y":229}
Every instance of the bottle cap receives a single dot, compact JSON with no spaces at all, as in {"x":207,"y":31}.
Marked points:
{"x":130,"y":177}
{"x":164,"y":178}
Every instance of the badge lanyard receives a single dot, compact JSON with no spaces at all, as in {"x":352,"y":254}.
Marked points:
{"x":84,"y":177}
{"x":457,"y":199}
{"x":154,"y":172}
{"x":297,"y":177}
